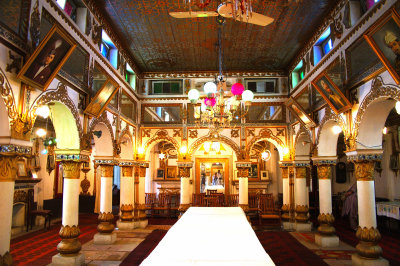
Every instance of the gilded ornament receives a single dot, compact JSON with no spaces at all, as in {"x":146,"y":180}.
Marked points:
{"x":285,"y":172}
{"x":301,"y":213}
{"x":105,"y":225}
{"x":142,"y":172}
{"x":107,"y":171}
{"x":301,"y":172}
{"x":368,"y":246}
{"x":285,"y":212}
{"x":326,"y":221}
{"x":67,"y":232}
{"x":245,"y":207}
{"x":127,"y":171}
{"x":69,"y":243}
{"x":184,"y":172}
{"x":20,"y":196}
{"x":8,"y":169}
{"x":85,"y":185}
{"x":71,"y":169}
{"x":324,"y":171}
{"x":364,"y":171}
{"x":126,"y":212}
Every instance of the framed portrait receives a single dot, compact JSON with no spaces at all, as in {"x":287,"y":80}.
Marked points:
{"x":331,"y":93}
{"x":384,"y":38}
{"x":264,"y":175}
{"x":47,"y":59}
{"x":253,"y":171}
{"x":172,"y":172}
{"x":160,"y":173}
{"x":102,"y":98}
{"x":299,"y":112}
{"x":21,"y":168}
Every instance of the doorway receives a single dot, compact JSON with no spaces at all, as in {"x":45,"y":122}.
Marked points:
{"x":212,"y":174}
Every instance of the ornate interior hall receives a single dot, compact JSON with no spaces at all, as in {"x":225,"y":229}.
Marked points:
{"x":181,"y":132}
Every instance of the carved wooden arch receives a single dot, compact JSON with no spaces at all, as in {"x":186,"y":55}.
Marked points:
{"x":302,"y":131}
{"x":378,"y":90}
{"x":161,"y":135}
{"x":330,"y":115}
{"x":195,"y":145}
{"x":8,"y":96}
{"x":126,"y":132}
{"x":60,"y":94}
{"x":265,"y":134}
{"x":102,"y":119}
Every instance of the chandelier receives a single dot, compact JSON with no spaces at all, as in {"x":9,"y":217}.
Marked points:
{"x":240,"y":8}
{"x":219,"y":106}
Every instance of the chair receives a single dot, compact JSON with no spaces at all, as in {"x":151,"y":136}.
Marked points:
{"x":198,"y":200}
{"x":233,"y":200}
{"x":211,"y":191}
{"x":267,"y":210}
{"x":162,"y":204}
{"x":174,"y":202}
{"x":215,"y":200}
{"x":33,"y":212}
{"x":150,"y":200}
{"x":253,"y":204}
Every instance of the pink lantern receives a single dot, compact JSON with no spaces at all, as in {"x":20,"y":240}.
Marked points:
{"x":237,"y":89}
{"x":210,"y":101}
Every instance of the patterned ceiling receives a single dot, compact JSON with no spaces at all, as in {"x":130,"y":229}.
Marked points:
{"x":161,"y":43}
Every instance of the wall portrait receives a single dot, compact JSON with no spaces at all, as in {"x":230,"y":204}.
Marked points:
{"x":160,"y":173}
{"x":21,"y":168}
{"x":47,"y":59}
{"x":102,"y":98}
{"x":331,"y":93}
{"x":171,"y":172}
{"x":384,"y":38}
{"x":299,"y":112}
{"x":253,"y":171}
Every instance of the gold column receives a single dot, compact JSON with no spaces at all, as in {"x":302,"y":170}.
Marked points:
{"x":369,"y":236}
{"x":184,"y":174}
{"x":106,"y":217}
{"x":127,"y":209}
{"x":69,"y":233}
{"x":285,"y":206}
{"x":325,"y":219}
{"x":301,"y":209}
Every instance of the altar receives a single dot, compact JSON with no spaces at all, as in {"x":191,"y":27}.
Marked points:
{"x":217,"y":188}
{"x":210,"y":236}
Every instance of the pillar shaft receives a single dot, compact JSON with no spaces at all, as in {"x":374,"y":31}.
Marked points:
{"x":106,"y":217}
{"x":301,"y":195}
{"x":140,"y":172}
{"x":325,"y":217}
{"x":69,"y":231}
{"x":127,"y":193}
{"x":184,"y":174}
{"x":286,"y":194}
{"x":243,"y":174}
{"x":7,"y":176}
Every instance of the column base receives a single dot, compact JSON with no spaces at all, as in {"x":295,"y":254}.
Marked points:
{"x":360,"y":261}
{"x":125,"y":225}
{"x":77,"y":260}
{"x":104,"y":239}
{"x":326,"y":241}
{"x":288,"y":226}
{"x":141,"y":223}
{"x":303,"y":227}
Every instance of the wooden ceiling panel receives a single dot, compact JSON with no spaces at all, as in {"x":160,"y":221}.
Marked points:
{"x":161,"y":43}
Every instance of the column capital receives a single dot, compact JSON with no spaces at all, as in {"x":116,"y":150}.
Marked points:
{"x":364,"y":155}
{"x":184,"y":168}
{"x":71,"y":169}
{"x":324,"y":160}
{"x":141,"y":164}
{"x":285,"y":163}
{"x":302,"y":163}
{"x":324,"y":171}
{"x":243,"y":168}
{"x":187,"y":164}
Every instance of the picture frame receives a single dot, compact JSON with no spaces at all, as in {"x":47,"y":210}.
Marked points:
{"x":21,"y":168}
{"x":384,"y":38}
{"x":102,"y":98}
{"x":171,"y":173}
{"x":299,"y":112}
{"x":264,"y":175}
{"x":253,"y":171}
{"x":47,"y":59}
{"x":160,"y":173}
{"x":331,"y":93}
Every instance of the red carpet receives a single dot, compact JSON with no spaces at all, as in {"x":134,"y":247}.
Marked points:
{"x":280,"y":246}
{"x":37,"y":248}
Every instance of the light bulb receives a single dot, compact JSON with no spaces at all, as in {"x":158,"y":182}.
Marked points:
{"x":193,"y":95}
{"x":44,"y":152}
{"x":207,"y":146}
{"x":43,"y":111}
{"x":247,"y":96}
{"x":397,"y":107}
{"x":265,"y":155}
{"x":285,"y":150}
{"x":183,"y":149}
{"x":336,"y":129}
{"x":216,"y":146}
{"x":210,"y":87}
{"x":140,"y":150}
{"x":41,"y":132}
{"x":384,"y":130}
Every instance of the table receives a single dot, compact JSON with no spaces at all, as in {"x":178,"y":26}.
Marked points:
{"x":210,"y":236}
{"x":219,"y":188}
{"x":389,"y":209}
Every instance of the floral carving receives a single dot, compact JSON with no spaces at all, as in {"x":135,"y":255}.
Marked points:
{"x":364,"y":170}
{"x":324,"y":171}
{"x":193,"y":133}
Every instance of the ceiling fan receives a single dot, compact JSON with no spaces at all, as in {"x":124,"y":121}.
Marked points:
{"x":227,"y":10}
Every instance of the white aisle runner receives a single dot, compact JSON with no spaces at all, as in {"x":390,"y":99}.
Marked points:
{"x":210,"y":236}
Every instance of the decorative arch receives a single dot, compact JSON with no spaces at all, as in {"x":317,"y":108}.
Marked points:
{"x":329,"y":115}
{"x":126,"y":132}
{"x":7,"y":94}
{"x":303,"y":135}
{"x":372,"y":109}
{"x":126,"y":150}
{"x":195,"y":145}
{"x":266,"y":134}
{"x":160,"y":135}
{"x":103,"y":120}
{"x":60,"y":94}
